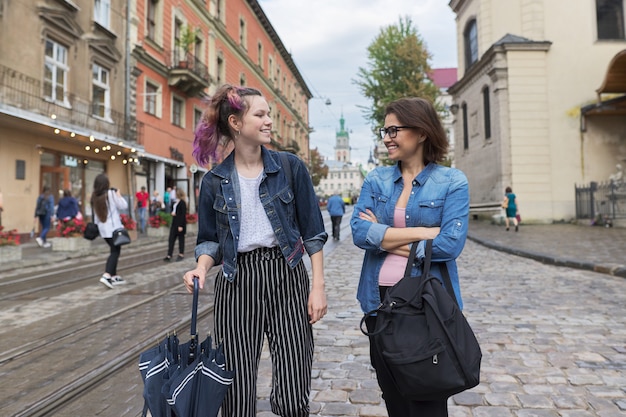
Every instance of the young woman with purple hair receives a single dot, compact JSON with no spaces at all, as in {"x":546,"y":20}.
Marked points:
{"x":256,"y":218}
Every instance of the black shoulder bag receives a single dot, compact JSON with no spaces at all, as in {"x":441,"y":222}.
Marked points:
{"x":424,"y":339}
{"x":91,"y":229}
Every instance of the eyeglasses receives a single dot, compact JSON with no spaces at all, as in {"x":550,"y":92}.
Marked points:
{"x":392,"y":131}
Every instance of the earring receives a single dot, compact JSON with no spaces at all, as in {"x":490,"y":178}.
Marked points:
{"x":238,"y":132}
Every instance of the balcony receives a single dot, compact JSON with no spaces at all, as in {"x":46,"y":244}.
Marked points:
{"x":187,"y":73}
{"x":19,"y":91}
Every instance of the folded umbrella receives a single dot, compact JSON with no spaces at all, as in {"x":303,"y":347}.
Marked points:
{"x":199,"y":389}
{"x":186,"y":380}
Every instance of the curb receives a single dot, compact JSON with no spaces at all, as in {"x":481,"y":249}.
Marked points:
{"x":614,"y":269}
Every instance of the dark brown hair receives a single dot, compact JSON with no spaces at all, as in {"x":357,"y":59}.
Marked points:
{"x":420,"y":114}
{"x":99,"y":196}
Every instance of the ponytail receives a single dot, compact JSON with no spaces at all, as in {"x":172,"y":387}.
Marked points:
{"x":213,"y":129}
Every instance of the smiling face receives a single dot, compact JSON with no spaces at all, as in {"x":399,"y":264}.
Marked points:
{"x":255,"y":127}
{"x":408,"y":143}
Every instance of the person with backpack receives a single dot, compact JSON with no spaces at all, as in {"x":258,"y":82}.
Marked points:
{"x":406,"y":204}
{"x":257,"y":215}
{"x":44,"y":209}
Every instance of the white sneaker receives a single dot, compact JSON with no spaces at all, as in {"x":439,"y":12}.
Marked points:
{"x":117,"y":280}
{"x":47,"y":244}
{"x":39,"y":241}
{"x":107,"y":281}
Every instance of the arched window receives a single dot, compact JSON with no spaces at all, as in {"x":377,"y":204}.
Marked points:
{"x":487,"y":113}
{"x":470,"y":39}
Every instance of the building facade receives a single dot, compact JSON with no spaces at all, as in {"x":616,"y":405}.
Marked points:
{"x":344,"y":178}
{"x":91,"y":86}
{"x":528,"y":69}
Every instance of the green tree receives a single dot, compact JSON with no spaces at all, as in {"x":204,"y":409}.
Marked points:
{"x":397,"y":67}
{"x":319,"y":169}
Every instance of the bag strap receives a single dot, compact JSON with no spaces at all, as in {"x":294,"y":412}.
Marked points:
{"x":443,"y":267}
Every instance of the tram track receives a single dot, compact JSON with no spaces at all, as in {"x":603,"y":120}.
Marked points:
{"x":82,"y":353}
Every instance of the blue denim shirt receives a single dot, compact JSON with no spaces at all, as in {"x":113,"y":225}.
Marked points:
{"x":293,"y":212}
{"x":440,"y":197}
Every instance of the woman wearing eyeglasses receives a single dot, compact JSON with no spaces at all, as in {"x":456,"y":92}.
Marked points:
{"x":414,"y":200}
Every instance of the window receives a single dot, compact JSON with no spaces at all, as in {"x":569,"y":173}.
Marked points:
{"x":101,"y":106}
{"x":102,"y":12}
{"x":242,"y":33}
{"x":220,"y":10}
{"x":465,"y":128}
{"x":151,"y":19}
{"x":197,"y":117}
{"x":470,"y":40}
{"x":260,"y":54}
{"x":242,"y":79}
{"x":178,"y":108}
{"x":487,"y":115}
{"x":610,"y":18}
{"x":221,"y":74}
{"x":55,"y":72}
{"x":151,"y":94}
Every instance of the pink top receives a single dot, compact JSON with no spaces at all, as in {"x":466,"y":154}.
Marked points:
{"x":393,"y":268}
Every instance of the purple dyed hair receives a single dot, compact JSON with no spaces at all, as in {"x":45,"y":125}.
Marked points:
{"x":213,"y":129}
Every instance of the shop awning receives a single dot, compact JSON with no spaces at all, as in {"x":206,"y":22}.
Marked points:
{"x":615,"y":84}
{"x":615,"y":78}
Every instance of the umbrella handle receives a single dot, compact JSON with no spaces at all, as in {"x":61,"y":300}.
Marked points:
{"x":194,"y":318}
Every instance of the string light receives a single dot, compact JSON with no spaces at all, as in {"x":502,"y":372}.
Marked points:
{"x":87,"y":147}
{"x":57,"y":131}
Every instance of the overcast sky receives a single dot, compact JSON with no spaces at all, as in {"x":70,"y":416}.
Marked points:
{"x":328,"y":42}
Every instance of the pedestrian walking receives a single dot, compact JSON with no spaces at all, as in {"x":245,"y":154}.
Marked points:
{"x":178,"y":228}
{"x":336,"y":209}
{"x":155,"y":203}
{"x":44,"y":210}
{"x":141,"y":205}
{"x":107,"y":203}
{"x":67,"y":208}
{"x":166,"y":199}
{"x":403,"y":205}
{"x":509,"y":204}
{"x":258,"y":213}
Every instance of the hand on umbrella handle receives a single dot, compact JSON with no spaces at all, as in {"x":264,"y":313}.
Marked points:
{"x":194,"y":279}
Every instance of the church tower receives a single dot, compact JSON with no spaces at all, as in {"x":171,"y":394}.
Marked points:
{"x":342,"y":143}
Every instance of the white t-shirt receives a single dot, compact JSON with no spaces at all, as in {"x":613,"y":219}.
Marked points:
{"x":256,"y":230}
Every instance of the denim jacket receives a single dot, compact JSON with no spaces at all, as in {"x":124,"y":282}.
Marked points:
{"x":292,"y":210}
{"x":440,"y":198}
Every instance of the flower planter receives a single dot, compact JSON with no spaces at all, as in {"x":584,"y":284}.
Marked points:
{"x":158,"y":231}
{"x":70,"y":244}
{"x":10,"y":253}
{"x":133,"y":235}
{"x":192,"y":228}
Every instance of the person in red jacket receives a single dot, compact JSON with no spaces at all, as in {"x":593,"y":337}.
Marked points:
{"x":141,"y":205}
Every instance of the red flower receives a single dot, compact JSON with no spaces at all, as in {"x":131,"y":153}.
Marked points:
{"x":71,"y":228}
{"x":128,"y":222}
{"x":10,"y":238}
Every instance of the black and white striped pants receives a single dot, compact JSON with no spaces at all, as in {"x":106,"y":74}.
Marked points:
{"x":267,"y":298}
